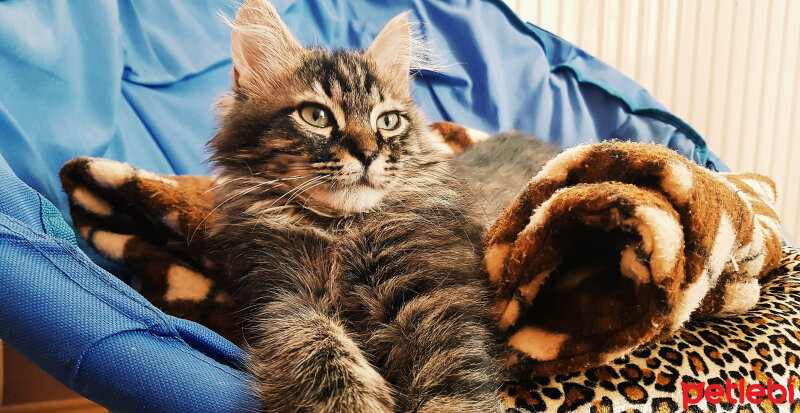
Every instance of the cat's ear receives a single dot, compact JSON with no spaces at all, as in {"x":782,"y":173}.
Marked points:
{"x":393,"y":48}
{"x":263,"y":49}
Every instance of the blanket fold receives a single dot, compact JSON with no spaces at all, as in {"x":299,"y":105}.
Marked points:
{"x":156,"y":227}
{"x":609,"y":247}
{"x":618,"y":244}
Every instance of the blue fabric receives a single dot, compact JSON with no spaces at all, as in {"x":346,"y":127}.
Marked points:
{"x":135,"y":81}
{"x":93,"y":332}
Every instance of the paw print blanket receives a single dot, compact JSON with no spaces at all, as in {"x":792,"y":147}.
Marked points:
{"x":617,"y":244}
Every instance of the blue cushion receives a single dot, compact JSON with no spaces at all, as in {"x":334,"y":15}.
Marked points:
{"x":135,"y":81}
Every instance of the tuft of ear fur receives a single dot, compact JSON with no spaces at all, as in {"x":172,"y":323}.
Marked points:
{"x":263,"y":48}
{"x":399,"y":50}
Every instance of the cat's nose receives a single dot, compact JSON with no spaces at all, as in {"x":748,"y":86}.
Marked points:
{"x":365,"y":155}
{"x":362,"y":147}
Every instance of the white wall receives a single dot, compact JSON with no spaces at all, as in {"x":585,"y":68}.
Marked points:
{"x":730,"y":68}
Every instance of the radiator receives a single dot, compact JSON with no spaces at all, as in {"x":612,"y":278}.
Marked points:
{"x":729,"y":68}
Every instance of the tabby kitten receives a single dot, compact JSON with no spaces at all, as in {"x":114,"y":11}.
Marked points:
{"x":356,"y":252}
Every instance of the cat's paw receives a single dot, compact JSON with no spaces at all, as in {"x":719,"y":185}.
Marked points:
{"x":454,"y":404}
{"x":308,"y":363}
{"x":336,"y":383}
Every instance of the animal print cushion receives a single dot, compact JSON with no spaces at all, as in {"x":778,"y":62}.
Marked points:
{"x":759,"y":345}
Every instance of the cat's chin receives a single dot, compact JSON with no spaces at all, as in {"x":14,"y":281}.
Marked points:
{"x":350,"y":200}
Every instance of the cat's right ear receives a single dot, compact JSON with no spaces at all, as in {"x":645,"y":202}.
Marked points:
{"x":263,"y":49}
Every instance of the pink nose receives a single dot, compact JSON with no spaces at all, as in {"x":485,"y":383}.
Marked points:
{"x":364,"y":155}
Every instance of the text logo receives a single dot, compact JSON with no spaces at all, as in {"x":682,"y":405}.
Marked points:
{"x":754,"y":393}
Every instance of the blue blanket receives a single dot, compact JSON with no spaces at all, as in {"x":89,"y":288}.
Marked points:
{"x":135,"y":81}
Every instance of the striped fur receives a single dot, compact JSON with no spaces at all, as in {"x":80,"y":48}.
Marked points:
{"x":157,"y":226}
{"x":355,"y":253}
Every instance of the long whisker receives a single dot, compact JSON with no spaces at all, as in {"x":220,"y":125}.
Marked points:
{"x":235,"y":195}
{"x":300,"y":187}
{"x":306,"y":189}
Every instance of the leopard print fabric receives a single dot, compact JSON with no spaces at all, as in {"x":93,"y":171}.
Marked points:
{"x":761,"y":344}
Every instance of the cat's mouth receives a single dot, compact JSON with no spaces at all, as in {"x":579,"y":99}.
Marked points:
{"x":354,"y":189}
{"x":355,"y":175}
{"x":371,"y":180}
{"x":362,"y":196}
{"x":365,"y":180}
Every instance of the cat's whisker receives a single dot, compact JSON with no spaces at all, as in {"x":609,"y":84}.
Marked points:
{"x":300,"y":187}
{"x":253,"y":179}
{"x":305,"y":202}
{"x":235,"y":195}
{"x":268,"y":209}
{"x":305,"y":190}
{"x":224,"y":183}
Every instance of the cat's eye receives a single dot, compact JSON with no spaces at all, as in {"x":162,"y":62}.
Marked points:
{"x":388,"y":121}
{"x":315,"y":115}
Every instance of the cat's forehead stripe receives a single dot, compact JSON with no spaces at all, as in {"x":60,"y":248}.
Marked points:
{"x":345,"y":77}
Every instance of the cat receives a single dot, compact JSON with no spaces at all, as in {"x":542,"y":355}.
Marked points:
{"x":354,"y":249}
{"x":497,"y":169}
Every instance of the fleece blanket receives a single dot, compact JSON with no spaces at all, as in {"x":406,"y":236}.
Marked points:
{"x":610,"y":246}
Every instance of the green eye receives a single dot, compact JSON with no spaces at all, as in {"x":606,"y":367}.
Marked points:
{"x":388,"y":121}
{"x":315,"y":115}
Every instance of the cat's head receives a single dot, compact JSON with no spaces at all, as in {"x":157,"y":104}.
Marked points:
{"x":335,"y":131}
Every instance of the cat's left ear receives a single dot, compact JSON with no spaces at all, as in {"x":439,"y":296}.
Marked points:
{"x":263,"y":49}
{"x":393,"y":48}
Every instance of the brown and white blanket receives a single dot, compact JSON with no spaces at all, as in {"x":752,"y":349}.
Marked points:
{"x":618,"y":244}
{"x":611,"y":246}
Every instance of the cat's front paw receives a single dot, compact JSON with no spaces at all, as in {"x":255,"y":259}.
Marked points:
{"x":327,"y":381}
{"x":451,"y":404}
{"x":307,"y":363}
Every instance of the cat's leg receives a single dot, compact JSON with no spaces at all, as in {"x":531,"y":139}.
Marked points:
{"x":416,"y":294}
{"x":438,"y":352}
{"x":303,"y":360}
